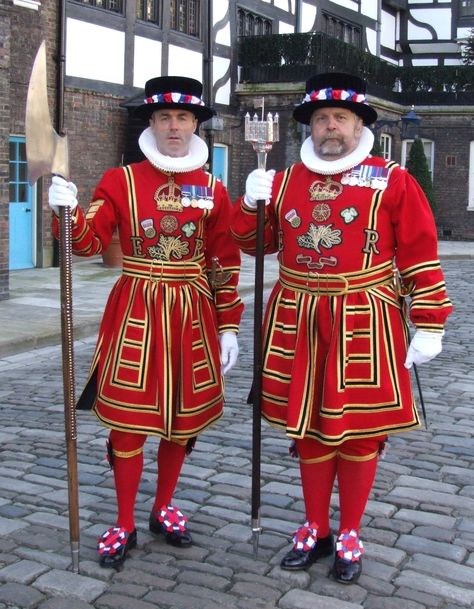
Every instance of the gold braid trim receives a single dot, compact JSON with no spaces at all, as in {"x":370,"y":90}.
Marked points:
{"x":127,"y":454}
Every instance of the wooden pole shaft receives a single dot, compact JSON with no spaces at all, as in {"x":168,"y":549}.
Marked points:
{"x":65,"y":266}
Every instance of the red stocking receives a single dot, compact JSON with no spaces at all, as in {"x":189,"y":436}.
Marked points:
{"x":356,"y":468}
{"x":128,"y":464}
{"x":170,"y":461}
{"x":318,"y":470}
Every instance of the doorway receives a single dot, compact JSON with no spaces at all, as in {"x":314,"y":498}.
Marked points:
{"x":20,"y":213}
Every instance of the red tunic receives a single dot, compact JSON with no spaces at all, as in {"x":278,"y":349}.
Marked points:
{"x":335,"y":335}
{"x":157,"y":360}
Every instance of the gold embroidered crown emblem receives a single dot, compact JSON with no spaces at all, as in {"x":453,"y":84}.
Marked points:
{"x":167,"y":197}
{"x":325,"y":191}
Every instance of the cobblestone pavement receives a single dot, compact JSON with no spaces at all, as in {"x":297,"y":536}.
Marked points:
{"x":418,"y":529}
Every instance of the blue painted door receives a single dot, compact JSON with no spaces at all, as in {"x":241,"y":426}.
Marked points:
{"x":219,"y":163}
{"x":20,"y":208}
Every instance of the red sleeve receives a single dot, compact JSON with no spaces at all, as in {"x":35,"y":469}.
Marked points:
{"x":223,"y":260}
{"x":417,"y":253}
{"x":92,"y":230}
{"x":244,"y":223}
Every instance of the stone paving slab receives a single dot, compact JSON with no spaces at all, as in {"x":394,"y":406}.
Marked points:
{"x":418,"y":528}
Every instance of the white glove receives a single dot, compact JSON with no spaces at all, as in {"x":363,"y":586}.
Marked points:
{"x":424,"y":346}
{"x":229,"y":350}
{"x":258,"y":187}
{"x":62,"y":194}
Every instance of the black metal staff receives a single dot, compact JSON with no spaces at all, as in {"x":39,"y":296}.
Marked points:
{"x":262,"y":134}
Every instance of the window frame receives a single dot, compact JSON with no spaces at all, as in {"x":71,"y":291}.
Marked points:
{"x":247,"y":20}
{"x":183,"y":24}
{"x":386,"y":141}
{"x":429,"y":157}
{"x":143,"y":9}
{"x":106,"y":8}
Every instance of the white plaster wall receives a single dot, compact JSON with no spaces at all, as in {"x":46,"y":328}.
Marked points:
{"x":146,"y":60}
{"x":94,"y":52}
{"x":349,"y":4}
{"x":439,"y":19}
{"x":369,"y":8}
{"x":388,"y":34}
{"x":223,"y":35}
{"x":285,"y":28}
{"x":283,"y":4}
{"x":220,"y":67}
{"x":219,"y":9}
{"x":183,"y":62}
{"x":371,"y":41}
{"x":308,"y":15}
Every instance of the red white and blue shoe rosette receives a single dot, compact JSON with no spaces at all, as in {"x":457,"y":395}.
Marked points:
{"x":305,"y":537}
{"x":172,"y":520}
{"x":348,"y":545}
{"x":112,"y":541}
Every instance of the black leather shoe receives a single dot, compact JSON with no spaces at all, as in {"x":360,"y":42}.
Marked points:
{"x":180,"y":539}
{"x":116,"y":560}
{"x":346,"y":571}
{"x":297,"y":560}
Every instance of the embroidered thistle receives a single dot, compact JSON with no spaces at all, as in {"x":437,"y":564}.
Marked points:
{"x":321,"y":235}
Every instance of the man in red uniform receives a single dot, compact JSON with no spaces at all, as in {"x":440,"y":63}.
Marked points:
{"x":336,"y":355}
{"x":169,"y":328}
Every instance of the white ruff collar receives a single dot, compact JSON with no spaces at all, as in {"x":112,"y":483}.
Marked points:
{"x":196,"y":158}
{"x":315,"y":163}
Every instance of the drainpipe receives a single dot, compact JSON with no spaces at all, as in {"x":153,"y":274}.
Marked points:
{"x":61,"y":67}
{"x":208,"y":76}
{"x":378,"y":42}
{"x":60,"y":73}
{"x":298,"y":9}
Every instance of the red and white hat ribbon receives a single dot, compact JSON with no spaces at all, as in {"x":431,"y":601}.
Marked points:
{"x":349,"y":546}
{"x":172,"y":519}
{"x":335,"y":94}
{"x":174,"y":98}
{"x":305,"y":537}
{"x":112,"y":540}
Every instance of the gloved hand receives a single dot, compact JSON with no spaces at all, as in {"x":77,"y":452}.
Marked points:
{"x":424,"y":346}
{"x":229,"y":350}
{"x":258,"y":186}
{"x":62,"y":194}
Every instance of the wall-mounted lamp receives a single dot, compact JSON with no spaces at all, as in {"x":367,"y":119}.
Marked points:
{"x":410,"y":124}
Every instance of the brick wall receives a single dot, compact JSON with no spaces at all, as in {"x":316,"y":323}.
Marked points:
{"x":96,"y":127}
{"x":452,"y":134}
{"x":5,"y":38}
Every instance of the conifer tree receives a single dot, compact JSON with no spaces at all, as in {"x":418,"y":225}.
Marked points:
{"x":468,"y":49}
{"x":417,"y":165}
{"x":376,"y":148}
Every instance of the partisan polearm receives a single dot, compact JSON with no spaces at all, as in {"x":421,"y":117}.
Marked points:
{"x":47,"y":153}
{"x":262,"y":134}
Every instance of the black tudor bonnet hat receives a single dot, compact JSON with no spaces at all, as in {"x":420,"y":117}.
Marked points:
{"x":174,"y":92}
{"x":335,"y":90}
